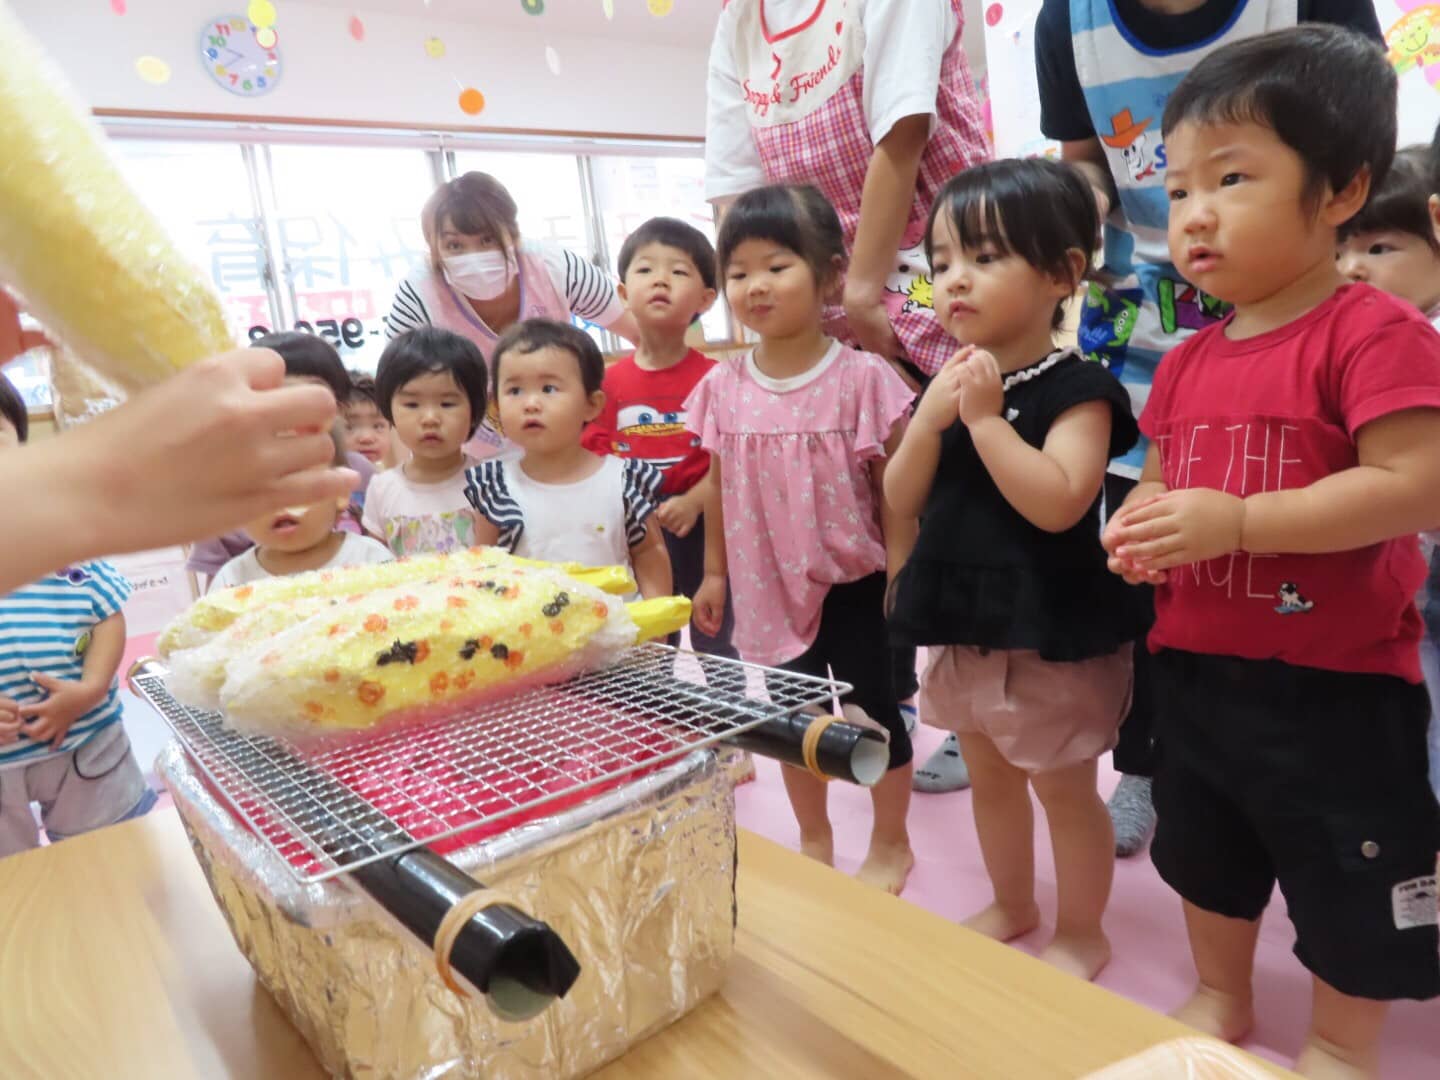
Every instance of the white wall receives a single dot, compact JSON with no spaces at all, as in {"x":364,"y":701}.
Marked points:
{"x":606,"y":86}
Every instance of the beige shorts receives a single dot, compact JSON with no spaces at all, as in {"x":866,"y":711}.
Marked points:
{"x":1041,"y":715}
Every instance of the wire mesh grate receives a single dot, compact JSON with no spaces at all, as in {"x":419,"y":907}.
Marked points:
{"x":330,"y":806}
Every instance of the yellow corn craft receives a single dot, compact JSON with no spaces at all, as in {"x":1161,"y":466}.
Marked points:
{"x":431,"y":644}
{"x":90,"y":261}
{"x":215,"y":611}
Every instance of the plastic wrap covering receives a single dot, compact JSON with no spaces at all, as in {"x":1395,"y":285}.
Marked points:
{"x":1197,"y":1058}
{"x":90,"y":261}
{"x":639,"y":881}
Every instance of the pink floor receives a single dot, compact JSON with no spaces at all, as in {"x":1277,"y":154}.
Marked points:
{"x":1152,"y":963}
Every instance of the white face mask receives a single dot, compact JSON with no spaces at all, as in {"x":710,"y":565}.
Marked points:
{"x":480,"y":275}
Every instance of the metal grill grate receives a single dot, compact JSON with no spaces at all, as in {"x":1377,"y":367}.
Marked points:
{"x":326,"y":808}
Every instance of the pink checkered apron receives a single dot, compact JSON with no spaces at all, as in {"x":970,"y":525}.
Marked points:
{"x":805,"y":88}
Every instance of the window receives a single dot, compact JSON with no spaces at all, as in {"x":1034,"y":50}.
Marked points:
{"x":348,"y":226}
{"x":547,"y":191}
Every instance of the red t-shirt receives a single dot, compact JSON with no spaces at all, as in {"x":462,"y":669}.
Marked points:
{"x":1280,"y":411}
{"x":644,"y":418}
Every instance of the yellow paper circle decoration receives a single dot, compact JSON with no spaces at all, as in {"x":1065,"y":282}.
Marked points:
{"x":435,"y":48}
{"x":153,"y":70}
{"x":261,"y":13}
{"x":661,"y":8}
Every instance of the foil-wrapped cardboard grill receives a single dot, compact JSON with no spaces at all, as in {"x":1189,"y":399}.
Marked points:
{"x":640,"y":881}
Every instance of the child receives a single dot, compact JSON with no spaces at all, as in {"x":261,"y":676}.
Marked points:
{"x":1291,"y":463}
{"x":559,"y":502}
{"x":62,"y":739}
{"x":667,"y":274}
{"x":367,"y":433}
{"x":1004,"y":462}
{"x":307,"y":359}
{"x":1104,"y":69}
{"x":1394,"y":244}
{"x":301,"y":538}
{"x":430,"y":385}
{"x":800,"y":428}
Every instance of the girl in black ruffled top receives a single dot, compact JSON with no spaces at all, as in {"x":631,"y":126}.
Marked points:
{"x":1003,"y":462}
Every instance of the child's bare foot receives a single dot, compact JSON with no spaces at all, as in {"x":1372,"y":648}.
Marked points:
{"x":886,"y":866}
{"x":1323,"y":1061}
{"x":1081,"y":955}
{"x":1221,"y":1015}
{"x":819,"y":846}
{"x":1004,"y":924}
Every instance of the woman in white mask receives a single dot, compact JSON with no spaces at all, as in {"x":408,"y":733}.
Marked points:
{"x":482,"y":278}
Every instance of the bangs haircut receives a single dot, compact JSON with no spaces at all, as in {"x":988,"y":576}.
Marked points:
{"x":428,"y":350}
{"x":1037,"y":209}
{"x":532,"y":335}
{"x":475,"y":204}
{"x":795,"y":216}
{"x":1401,"y":202}
{"x":362,"y":390}
{"x":307,"y":356}
{"x":1327,"y":93}
{"x":672,"y":233}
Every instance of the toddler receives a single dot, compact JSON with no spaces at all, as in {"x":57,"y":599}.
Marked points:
{"x":367,"y":432}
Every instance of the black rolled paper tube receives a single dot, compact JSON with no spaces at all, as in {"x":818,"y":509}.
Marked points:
{"x":519,"y":963}
{"x":844,"y":752}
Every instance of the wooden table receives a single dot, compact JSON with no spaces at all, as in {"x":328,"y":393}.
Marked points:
{"x":115,"y":962}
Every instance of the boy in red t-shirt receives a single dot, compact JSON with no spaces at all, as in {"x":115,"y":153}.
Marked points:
{"x":1292,"y":463}
{"x":667,"y":274}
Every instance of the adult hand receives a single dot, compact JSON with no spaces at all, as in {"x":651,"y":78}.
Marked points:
{"x":869,"y":320}
{"x":13,"y":340}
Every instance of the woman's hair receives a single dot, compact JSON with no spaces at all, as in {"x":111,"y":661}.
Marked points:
{"x":475,"y":204}
{"x":13,"y":408}
{"x":795,"y":216}
{"x":535,"y":334}
{"x":309,"y":357}
{"x":1037,"y":209}
{"x":428,"y":350}
{"x":1400,"y":202}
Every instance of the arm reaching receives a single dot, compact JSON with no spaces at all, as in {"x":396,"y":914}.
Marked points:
{"x":652,"y":563}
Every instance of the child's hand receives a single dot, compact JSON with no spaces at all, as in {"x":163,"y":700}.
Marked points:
{"x":982,"y":393}
{"x":940,"y":405}
{"x":9,"y":721}
{"x":678,"y":515}
{"x":1176,"y":529}
{"x":67,"y":702}
{"x":709,"y":604}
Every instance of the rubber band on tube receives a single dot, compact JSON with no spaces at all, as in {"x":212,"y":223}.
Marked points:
{"x":460,"y":913}
{"x":810,"y":744}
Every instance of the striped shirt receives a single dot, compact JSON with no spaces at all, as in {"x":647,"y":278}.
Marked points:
{"x":46,"y":626}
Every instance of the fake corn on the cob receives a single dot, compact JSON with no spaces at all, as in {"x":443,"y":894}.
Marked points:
{"x":91,"y":262}
{"x":215,"y":611}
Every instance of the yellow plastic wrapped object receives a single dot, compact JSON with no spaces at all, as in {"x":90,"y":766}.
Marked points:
{"x":1194,"y":1058}
{"x":90,"y":261}
{"x":215,"y":611}
{"x":418,"y":646}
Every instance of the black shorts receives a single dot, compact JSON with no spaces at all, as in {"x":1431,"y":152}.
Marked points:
{"x":853,"y":646}
{"x":1316,"y":779}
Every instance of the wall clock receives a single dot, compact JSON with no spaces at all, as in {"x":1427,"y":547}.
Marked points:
{"x":239,"y":56}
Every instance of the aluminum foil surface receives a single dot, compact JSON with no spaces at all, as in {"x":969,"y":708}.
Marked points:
{"x":639,"y":882}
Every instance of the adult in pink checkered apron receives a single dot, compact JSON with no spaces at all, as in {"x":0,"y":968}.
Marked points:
{"x":871,"y":101}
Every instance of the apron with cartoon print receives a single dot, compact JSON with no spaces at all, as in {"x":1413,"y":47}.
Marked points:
{"x":804,"y":87}
{"x":1144,"y":307}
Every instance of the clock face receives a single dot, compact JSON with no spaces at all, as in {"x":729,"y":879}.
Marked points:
{"x":232,"y":54}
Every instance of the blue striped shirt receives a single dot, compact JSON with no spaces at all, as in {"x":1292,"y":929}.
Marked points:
{"x":46,"y":626}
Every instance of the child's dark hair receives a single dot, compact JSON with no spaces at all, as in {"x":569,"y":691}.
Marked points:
{"x":535,"y":334}
{"x":309,"y":357}
{"x":428,"y":350}
{"x":1040,"y":210}
{"x":362,"y":389}
{"x":1401,"y":202}
{"x":14,"y":409}
{"x":1328,"y":93}
{"x":795,"y":216}
{"x":673,"y":233}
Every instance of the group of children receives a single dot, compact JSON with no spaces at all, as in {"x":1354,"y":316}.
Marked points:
{"x":820,"y":515}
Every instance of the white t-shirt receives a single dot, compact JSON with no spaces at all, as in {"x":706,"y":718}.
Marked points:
{"x":354,"y":551}
{"x":414,"y":518}
{"x":904,"y":43}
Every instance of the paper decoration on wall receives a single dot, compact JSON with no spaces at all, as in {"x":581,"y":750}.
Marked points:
{"x":533,"y":7}
{"x":472,"y":101}
{"x":117,"y":6}
{"x":1414,"y":41}
{"x":993,"y":14}
{"x":434,"y":48}
{"x":552,"y":60}
{"x":608,"y":6}
{"x":357,"y":28}
{"x":234,"y":57}
{"x":262,"y":13}
{"x":153,"y":70}
{"x":661,"y":8}
{"x":1012,"y":94}
{"x":266,"y":37}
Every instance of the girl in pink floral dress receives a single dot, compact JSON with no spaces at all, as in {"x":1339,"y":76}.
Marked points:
{"x":799,"y":430}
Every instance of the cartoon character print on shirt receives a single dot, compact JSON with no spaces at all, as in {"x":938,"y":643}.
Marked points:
{"x":1132,"y":139}
{"x":77,"y":576}
{"x":1292,"y":602}
{"x":908,"y":288}
{"x":640,"y":426}
{"x":1107,"y":323}
{"x":1184,"y":307}
{"x":1413,"y":42}
{"x":439,"y":533}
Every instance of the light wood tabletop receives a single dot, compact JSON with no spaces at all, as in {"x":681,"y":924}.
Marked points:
{"x":115,"y":962}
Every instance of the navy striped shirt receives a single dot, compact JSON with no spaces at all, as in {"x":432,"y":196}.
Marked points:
{"x":46,"y":626}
